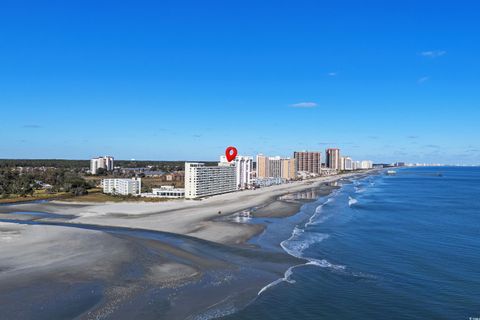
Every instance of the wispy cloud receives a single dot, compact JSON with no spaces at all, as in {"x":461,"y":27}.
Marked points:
{"x":433,"y":146}
{"x":433,"y":53}
{"x":413,"y":137}
{"x":423,"y":79}
{"x":304,"y":105}
{"x":197,"y":135}
{"x":32,"y":126}
{"x":332,"y":74}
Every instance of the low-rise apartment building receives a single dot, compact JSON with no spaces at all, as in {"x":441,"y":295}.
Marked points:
{"x":122,"y":186}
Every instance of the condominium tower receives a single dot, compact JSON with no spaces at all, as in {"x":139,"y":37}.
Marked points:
{"x":333,"y":160}
{"x":202,"y":181}
{"x":105,"y":162}
{"x":288,"y":169}
{"x":275,"y":167}
{"x":308,"y":161}
{"x":346,"y":164}
{"x":243,"y":170}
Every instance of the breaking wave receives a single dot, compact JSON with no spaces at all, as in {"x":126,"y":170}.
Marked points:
{"x":300,"y":240}
{"x":352,"y":201}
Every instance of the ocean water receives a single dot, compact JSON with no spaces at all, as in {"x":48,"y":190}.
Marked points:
{"x":382,"y":247}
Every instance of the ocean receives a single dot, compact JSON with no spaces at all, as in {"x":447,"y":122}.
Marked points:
{"x":405,"y":246}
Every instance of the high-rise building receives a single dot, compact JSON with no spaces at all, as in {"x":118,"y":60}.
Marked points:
{"x":333,"y":160}
{"x":356,"y":165}
{"x":105,"y":162}
{"x":342,"y":163}
{"x":262,"y":166}
{"x":202,"y":181}
{"x":310,"y":162}
{"x":288,"y":169}
{"x":122,"y":186}
{"x":243,"y":170}
{"x":366,"y":164}
{"x":347,"y":164}
{"x":274,"y":167}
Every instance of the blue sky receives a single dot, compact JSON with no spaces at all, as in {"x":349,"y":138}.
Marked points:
{"x":168,"y":80}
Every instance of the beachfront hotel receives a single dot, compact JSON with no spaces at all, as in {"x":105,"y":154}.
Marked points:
{"x":366,"y":164}
{"x":262,"y":166}
{"x":333,"y":160}
{"x":105,"y":162}
{"x":202,"y":181}
{"x":288,"y":169}
{"x":243,"y":170}
{"x":275,"y":167}
{"x":309,"y":162}
{"x":122,"y":187}
{"x":346,"y":164}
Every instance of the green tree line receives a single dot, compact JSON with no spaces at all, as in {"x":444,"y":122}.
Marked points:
{"x":13,"y":182}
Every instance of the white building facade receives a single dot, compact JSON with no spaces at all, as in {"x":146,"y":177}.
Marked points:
{"x":122,"y":187}
{"x":202,"y":181}
{"x":366,"y":164}
{"x":243,"y":170}
{"x":347,"y":164}
{"x":168,"y":192}
{"x":105,"y":162}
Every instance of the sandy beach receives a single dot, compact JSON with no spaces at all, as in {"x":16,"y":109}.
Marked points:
{"x":147,"y":260}
{"x":187,"y":217}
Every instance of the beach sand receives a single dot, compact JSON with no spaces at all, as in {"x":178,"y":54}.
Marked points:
{"x":168,"y":260}
{"x":187,"y":217}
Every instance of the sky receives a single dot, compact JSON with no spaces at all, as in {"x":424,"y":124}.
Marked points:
{"x":182,"y":80}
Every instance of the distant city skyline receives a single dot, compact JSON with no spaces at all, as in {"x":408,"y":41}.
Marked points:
{"x":184,"y":80}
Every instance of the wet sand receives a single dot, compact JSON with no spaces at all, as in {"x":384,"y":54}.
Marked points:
{"x":52,"y":272}
{"x":94,"y":262}
{"x":187,"y":217}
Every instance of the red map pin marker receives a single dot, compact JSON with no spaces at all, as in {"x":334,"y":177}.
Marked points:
{"x":230,"y":153}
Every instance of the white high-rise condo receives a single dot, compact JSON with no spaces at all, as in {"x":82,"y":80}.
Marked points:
{"x":203,"y":181}
{"x":347,"y":164}
{"x":366,"y":164}
{"x":243,"y":170}
{"x":105,"y":162}
{"x":122,"y":187}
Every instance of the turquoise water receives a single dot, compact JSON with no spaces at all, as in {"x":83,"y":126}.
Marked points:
{"x":384,"y":247}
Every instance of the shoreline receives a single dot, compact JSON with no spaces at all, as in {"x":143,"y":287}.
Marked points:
{"x":149,"y":262}
{"x":197,"y":218}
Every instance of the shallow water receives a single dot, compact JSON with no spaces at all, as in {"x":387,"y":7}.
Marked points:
{"x":396,"y":247}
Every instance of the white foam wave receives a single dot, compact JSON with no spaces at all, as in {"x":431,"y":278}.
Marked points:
{"x":325,"y":264}
{"x":352,"y":201}
{"x":301,"y":240}
{"x":296,"y":245}
{"x":314,"y":218}
{"x":286,"y":278}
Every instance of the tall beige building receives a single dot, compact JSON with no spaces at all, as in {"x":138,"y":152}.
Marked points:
{"x":288,"y":169}
{"x":310,"y":162}
{"x":333,"y":160}
{"x":275,"y":167}
{"x":262,"y":166}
